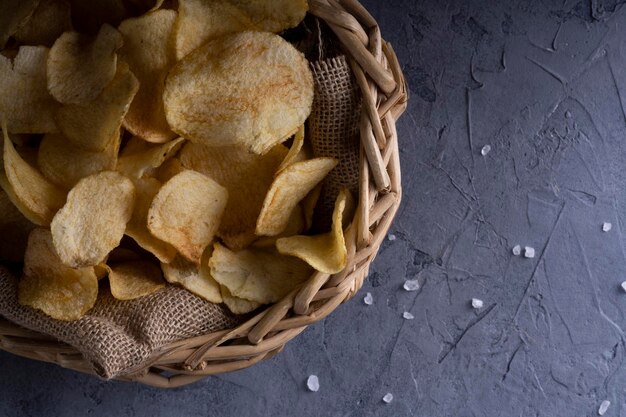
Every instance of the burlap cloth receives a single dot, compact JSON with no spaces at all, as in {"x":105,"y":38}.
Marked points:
{"x":118,"y":336}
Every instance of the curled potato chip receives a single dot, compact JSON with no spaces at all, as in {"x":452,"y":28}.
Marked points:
{"x":251,"y":89}
{"x":295,"y":152}
{"x":65,"y":164}
{"x":93,"y":220}
{"x":101,"y":270}
{"x":168,"y":169}
{"x":259,"y":275}
{"x":245,"y":175}
{"x":237,"y":305}
{"x":49,"y":20}
{"x":37,"y":198}
{"x":92,"y":126}
{"x":308,"y":205}
{"x":137,"y":227}
{"x":274,"y":15}
{"x":326,"y":252}
{"x":24,"y":100}
{"x":136,"y":279}
{"x":148,"y":49}
{"x":14,"y":229}
{"x":136,"y":164}
{"x":290,"y":186}
{"x":80,"y":67}
{"x":61,"y":292}
{"x":14,"y":13}
{"x":194,"y":278}
{"x":295,"y":225}
{"x":186,"y":213}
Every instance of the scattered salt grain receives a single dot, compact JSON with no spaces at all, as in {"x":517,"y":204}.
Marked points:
{"x":517,"y":250}
{"x":388,"y":398}
{"x":313,"y":383}
{"x":485,"y":150}
{"x":603,"y":407}
{"x":408,"y":316}
{"x":568,"y":114}
{"x":529,"y":252}
{"x":391,"y":237}
{"x":624,"y":286}
{"x":368,"y":299}
{"x":476,"y":303}
{"x":606,"y":227}
{"x":411,"y":285}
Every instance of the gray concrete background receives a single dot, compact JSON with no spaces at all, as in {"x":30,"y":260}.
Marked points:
{"x":543,"y":83}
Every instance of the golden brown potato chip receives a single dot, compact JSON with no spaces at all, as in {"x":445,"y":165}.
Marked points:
{"x":93,"y":220}
{"x":65,"y":164}
{"x":290,"y":186}
{"x":61,"y":292}
{"x":14,"y":13}
{"x":50,"y":19}
{"x":295,"y":151}
{"x":37,"y":198}
{"x":137,"y":164}
{"x":260,"y":275}
{"x":237,"y":305}
{"x":295,"y":226}
{"x":168,"y":169}
{"x":137,"y":227}
{"x":80,"y":67}
{"x":148,"y":49}
{"x":92,"y":126}
{"x":308,"y":205}
{"x":186,"y":213}
{"x":24,"y":100}
{"x":14,"y":230}
{"x":326,"y":252}
{"x":132,"y":280}
{"x":194,"y":278}
{"x":274,"y":15}
{"x":101,"y":270}
{"x":200,"y":21}
{"x":245,"y":175}
{"x":251,"y":89}
{"x":89,"y":16}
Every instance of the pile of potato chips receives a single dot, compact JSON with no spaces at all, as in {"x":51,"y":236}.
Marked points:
{"x":144,"y":142}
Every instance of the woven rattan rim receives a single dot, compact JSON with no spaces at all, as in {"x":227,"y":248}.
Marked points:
{"x":384,"y":93}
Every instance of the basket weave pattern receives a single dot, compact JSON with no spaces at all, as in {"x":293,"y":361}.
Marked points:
{"x":384,"y":98}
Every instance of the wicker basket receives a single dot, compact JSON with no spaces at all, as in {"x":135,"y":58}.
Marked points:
{"x":384,"y":94}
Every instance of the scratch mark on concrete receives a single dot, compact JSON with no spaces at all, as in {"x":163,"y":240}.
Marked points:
{"x":457,"y":339}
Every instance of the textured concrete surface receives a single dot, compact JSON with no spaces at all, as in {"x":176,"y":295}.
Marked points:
{"x":544,"y":84}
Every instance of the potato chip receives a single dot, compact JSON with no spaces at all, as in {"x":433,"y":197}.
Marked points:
{"x":200,"y":21}
{"x":132,"y":280}
{"x":308,"y":205}
{"x":295,"y":225}
{"x":93,"y":220}
{"x":14,"y":230}
{"x":61,"y":292}
{"x":194,"y":278}
{"x":80,"y":66}
{"x":92,"y":126}
{"x":65,"y":164}
{"x":295,"y":154}
{"x":24,"y":99}
{"x":89,"y":16}
{"x":274,"y":15}
{"x":168,"y":169}
{"x":101,"y":270}
{"x":136,"y":164}
{"x":14,"y":13}
{"x":186,"y":213}
{"x":290,"y":186}
{"x":237,"y":305}
{"x":37,"y":198}
{"x":251,"y":89}
{"x":245,"y":175}
{"x":50,"y":19}
{"x":260,"y":275}
{"x":326,"y":252}
{"x":148,"y":49}
{"x":137,"y":227}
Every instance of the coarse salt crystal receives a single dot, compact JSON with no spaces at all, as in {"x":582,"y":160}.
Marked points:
{"x":529,"y":252}
{"x":603,"y":407}
{"x":391,"y":237}
{"x":411,"y":285}
{"x":408,"y":315}
{"x":517,"y":250}
{"x":388,"y":398}
{"x":313,"y":383}
{"x":368,"y":299}
{"x":476,"y":303}
{"x":485,"y":150}
{"x":606,"y":226}
{"x":624,"y":286}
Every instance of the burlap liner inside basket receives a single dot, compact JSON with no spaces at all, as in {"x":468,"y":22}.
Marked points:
{"x":116,"y":337}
